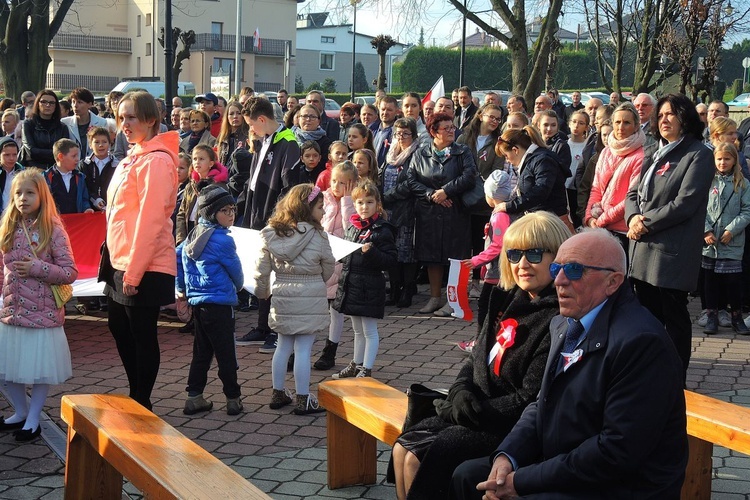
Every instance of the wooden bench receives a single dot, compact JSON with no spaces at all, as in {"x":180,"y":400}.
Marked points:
{"x":361,"y":411}
{"x":111,"y":436}
{"x":711,"y":421}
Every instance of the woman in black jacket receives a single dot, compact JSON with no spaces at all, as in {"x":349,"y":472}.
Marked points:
{"x":438,"y":175}
{"x":541,"y":176}
{"x":399,"y":204}
{"x":41,"y":130}
{"x":557,"y":142}
{"x":489,"y":395}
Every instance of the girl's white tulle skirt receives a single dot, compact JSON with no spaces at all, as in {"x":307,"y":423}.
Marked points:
{"x":34,"y":355}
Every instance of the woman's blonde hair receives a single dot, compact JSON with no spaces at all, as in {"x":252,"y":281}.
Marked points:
{"x":46,"y":219}
{"x":293,"y":208}
{"x":535,"y":230}
{"x":368,"y":188}
{"x":720,"y":126}
{"x":737,"y":178}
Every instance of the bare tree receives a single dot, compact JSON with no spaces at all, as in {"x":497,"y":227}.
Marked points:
{"x":188,"y":39}
{"x":653,"y":18}
{"x":611,"y":25}
{"x":382,"y":44}
{"x":26,"y":31}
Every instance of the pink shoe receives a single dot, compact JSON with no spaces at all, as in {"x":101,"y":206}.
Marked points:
{"x":467,"y":346}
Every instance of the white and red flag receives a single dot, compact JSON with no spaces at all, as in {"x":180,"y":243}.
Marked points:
{"x":458,"y":290}
{"x":437,"y":90}
{"x":256,"y":40}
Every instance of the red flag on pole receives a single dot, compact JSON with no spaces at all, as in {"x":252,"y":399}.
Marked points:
{"x":437,"y":90}
{"x":256,"y":40}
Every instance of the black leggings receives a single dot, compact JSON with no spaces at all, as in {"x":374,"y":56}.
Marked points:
{"x":134,"y":330}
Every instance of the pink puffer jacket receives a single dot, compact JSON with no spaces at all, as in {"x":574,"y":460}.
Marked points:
{"x":335,"y":222}
{"x":29,"y":302}
{"x":613,"y":178}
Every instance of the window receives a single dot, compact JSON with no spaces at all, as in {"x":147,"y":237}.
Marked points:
{"x":217,"y":29}
{"x":327,"y":39}
{"x":227,"y":65}
{"x":138,"y":25}
{"x":148,"y":19}
{"x":326,"y":61}
{"x":148,"y":49}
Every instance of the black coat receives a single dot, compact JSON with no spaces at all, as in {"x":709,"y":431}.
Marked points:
{"x":38,"y":138}
{"x":399,"y":200}
{"x":361,"y":290}
{"x":558,"y":144}
{"x":442,"y":232}
{"x":541,"y":183}
{"x":613,"y":424}
{"x":503,"y":398}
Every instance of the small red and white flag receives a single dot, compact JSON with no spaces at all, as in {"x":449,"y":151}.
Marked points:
{"x":437,"y":91}
{"x":458,"y":290}
{"x":256,"y":40}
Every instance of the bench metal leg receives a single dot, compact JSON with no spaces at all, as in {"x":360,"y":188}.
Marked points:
{"x":699,"y":470}
{"x":352,"y":454}
{"x":87,"y":475}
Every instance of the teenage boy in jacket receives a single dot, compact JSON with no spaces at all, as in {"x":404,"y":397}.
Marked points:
{"x":271,"y":176}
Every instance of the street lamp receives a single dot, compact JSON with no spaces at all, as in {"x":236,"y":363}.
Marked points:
{"x":354,"y":3}
{"x":729,"y":10}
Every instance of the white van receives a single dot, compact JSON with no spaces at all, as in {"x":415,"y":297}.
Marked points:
{"x":156,"y":89}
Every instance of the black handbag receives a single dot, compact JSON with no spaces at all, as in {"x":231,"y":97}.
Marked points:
{"x":106,"y":271}
{"x":421,"y":404}
{"x":473,"y":199}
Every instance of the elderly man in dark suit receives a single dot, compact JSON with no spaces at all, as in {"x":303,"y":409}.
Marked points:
{"x":609,"y":421}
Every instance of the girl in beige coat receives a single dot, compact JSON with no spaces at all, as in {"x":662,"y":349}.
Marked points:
{"x":296,"y":248}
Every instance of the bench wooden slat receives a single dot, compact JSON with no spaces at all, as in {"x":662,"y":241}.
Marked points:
{"x":153,"y":455}
{"x":718,"y":422}
{"x":361,"y":411}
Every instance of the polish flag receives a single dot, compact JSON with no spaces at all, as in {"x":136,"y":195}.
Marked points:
{"x":458,"y":289}
{"x":256,"y":40}
{"x":437,"y":91}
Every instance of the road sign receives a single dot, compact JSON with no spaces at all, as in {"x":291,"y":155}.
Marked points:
{"x":746,"y":62}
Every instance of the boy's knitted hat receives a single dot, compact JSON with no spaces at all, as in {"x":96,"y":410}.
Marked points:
{"x":211,"y":199}
{"x":497,"y":186}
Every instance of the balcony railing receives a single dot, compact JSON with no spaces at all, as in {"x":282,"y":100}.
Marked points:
{"x":226,"y":43}
{"x":266,"y":87}
{"x":69,"y":41}
{"x":94,"y":83}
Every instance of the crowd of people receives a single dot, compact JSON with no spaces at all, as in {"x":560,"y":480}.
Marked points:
{"x":657,"y":189}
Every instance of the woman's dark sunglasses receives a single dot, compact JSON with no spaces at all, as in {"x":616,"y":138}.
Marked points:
{"x":533,"y":255}
{"x":573,"y":270}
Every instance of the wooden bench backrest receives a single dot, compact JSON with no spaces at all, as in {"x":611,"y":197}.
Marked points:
{"x":153,"y":455}
{"x":718,"y":422}
{"x":372,"y":406}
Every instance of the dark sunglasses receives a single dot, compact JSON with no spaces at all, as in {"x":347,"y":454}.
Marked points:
{"x":574,"y":270}
{"x":533,"y":255}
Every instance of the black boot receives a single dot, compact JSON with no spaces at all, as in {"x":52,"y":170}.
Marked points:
{"x":406,"y":296}
{"x":738,"y":324}
{"x":712,"y":323}
{"x":394,"y":277}
{"x":410,"y":285}
{"x":328,"y":357}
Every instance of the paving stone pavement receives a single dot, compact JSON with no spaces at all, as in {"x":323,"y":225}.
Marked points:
{"x":284,"y":454}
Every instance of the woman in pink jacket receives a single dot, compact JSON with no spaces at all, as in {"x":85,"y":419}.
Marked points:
{"x":142,"y":267}
{"x":618,"y":170}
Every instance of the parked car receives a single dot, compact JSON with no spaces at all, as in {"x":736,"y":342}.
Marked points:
{"x":742,"y":100}
{"x":364,"y":99}
{"x":333,"y":109}
{"x":156,"y":89}
{"x":479,"y":94}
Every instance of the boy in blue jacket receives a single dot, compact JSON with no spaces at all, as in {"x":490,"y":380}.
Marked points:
{"x":209,"y":274}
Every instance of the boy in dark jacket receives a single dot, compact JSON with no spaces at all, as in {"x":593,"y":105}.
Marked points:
{"x":99,"y":167}
{"x":209,"y":274}
{"x":67,"y":183}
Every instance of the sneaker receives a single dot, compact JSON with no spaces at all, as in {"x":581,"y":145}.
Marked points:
{"x":467,"y":345}
{"x":269,"y":346}
{"x":196,"y":404}
{"x":444,"y":312}
{"x":725,"y":319}
{"x":234,"y":406}
{"x":703,"y":318}
{"x":363,"y":372}
{"x":256,"y":336}
{"x":307,"y":404}
{"x":280,"y":399}
{"x":431,"y":306}
{"x":350,"y":371}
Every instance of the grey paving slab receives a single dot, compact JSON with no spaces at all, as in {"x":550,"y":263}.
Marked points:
{"x":285,"y":455}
